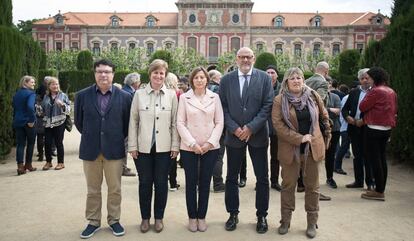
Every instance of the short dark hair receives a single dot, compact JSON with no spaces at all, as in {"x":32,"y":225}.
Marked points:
{"x":344,"y":88}
{"x":379,"y":75}
{"x":195,"y":72}
{"x":106,"y":62}
{"x":335,"y":83}
{"x":272,"y":67}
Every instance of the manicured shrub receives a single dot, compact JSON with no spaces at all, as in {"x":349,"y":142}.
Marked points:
{"x":265,"y":59}
{"x":84,"y":60}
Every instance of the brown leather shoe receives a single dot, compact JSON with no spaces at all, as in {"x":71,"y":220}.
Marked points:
{"x":373,"y":195}
{"x":21,"y":169}
{"x":159,"y":225}
{"x":60,"y":166}
{"x":29,"y":167}
{"x":47,"y":166}
{"x":144,"y":227}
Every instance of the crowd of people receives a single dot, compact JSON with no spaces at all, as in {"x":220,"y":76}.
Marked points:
{"x":201,"y":117}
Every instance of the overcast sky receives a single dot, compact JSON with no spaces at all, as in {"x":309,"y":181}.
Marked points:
{"x":26,"y":10}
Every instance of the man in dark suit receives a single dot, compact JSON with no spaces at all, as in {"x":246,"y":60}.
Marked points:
{"x":246,"y":95}
{"x":102,"y":118}
{"x":352,"y":115}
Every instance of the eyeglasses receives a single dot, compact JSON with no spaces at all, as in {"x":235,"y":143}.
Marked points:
{"x":245,"y":57}
{"x":103,"y":72}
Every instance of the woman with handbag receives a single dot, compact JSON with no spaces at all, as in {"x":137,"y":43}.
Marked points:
{"x":56,"y":107}
{"x":295,"y":116}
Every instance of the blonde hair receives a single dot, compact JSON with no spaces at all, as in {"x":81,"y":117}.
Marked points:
{"x":288,"y":74}
{"x":50,"y":80}
{"x":171,"y":81}
{"x":24,"y":80}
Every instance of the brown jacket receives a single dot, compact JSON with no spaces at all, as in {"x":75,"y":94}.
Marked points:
{"x":289,"y":138}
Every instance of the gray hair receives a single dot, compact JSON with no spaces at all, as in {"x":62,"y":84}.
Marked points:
{"x":322,"y":66}
{"x":132,"y":78}
{"x":171,"y":81}
{"x":288,"y":74}
{"x":361,"y":72}
{"x":212,"y":73}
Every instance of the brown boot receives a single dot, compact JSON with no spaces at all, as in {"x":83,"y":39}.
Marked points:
{"x":20,"y":169}
{"x":47,"y":166}
{"x":29,"y":167}
{"x":60,"y":166}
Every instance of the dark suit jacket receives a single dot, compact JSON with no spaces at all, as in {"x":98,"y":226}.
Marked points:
{"x":254,"y":113}
{"x":350,"y":106}
{"x":128,"y":89}
{"x":102,"y":133}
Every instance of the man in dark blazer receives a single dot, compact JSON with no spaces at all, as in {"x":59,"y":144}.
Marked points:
{"x":246,"y":95}
{"x":102,"y":118}
{"x":352,"y":115}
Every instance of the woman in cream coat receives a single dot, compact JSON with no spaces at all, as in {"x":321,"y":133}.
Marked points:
{"x":200,"y":123}
{"x":295,"y":115}
{"x":152,"y":142}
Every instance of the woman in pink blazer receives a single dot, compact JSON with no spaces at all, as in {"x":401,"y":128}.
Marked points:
{"x":200,"y":123}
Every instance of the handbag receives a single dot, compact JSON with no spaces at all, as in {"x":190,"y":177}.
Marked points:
{"x":68,"y":123}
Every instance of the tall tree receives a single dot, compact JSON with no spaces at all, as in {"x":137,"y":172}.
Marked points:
{"x":25,"y":27}
{"x":6,"y":16}
{"x":401,"y":7}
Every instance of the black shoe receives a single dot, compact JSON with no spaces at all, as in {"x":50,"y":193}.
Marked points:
{"x":261,"y":226}
{"x":232,"y":222}
{"x":175,"y":187}
{"x":126,"y":172}
{"x":340,"y":171}
{"x":89,"y":231}
{"x":354,"y":185}
{"x":276,"y":186}
{"x":331,"y":182}
{"x":300,"y":189}
{"x":219,"y":188}
{"x":242,"y":183}
{"x":324,"y":197}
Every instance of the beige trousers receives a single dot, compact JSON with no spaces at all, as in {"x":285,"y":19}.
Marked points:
{"x":94,"y":172}
{"x":290,"y":174}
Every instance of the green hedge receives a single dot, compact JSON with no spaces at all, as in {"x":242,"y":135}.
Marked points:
{"x":6,"y":17}
{"x":75,"y":80}
{"x":265,"y":59}
{"x":348,"y":66}
{"x":84,"y":60}
{"x":45,"y":72}
{"x":12,"y":59}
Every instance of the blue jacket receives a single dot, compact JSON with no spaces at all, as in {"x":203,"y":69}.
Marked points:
{"x":102,"y":133}
{"x":128,"y":89}
{"x":24,"y":107}
{"x":254,"y":113}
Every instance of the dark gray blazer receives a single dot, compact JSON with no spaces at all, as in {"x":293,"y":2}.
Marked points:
{"x":254,"y":113}
{"x":102,"y":133}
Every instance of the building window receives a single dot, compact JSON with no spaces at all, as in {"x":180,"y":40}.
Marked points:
{"x":235,"y":18}
{"x":150,"y":48}
{"x":59,"y":20}
{"x":316,"y":50}
{"x":114,"y":22}
{"x":58,"y":46}
{"x":336,"y":49}
{"x":235,"y":44}
{"x":43,"y":45}
{"x":96,"y":49}
{"x":74,"y":46}
{"x":192,"y":18}
{"x":317,"y":22}
{"x":360,"y":47}
{"x":168,"y":45}
{"x":131,"y":46}
{"x":259,"y":47}
{"x":213,"y":49}
{"x":192,"y":43}
{"x":150,"y":22}
{"x":278,"y":49}
{"x":278,"y":22}
{"x":378,"y":20}
{"x":298,"y":50}
{"x":114,"y":46}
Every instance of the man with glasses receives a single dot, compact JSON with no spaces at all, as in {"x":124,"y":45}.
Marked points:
{"x":246,"y":95}
{"x":102,"y":118}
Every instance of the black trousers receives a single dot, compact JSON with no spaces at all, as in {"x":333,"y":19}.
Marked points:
{"x":172,"y":175}
{"x":330,"y":155}
{"x":243,"y":167}
{"x":218,"y":167}
{"x":376,"y":147}
{"x":274,"y":162}
{"x":361,"y":166}
{"x":258,"y":156}
{"x":55,"y":135}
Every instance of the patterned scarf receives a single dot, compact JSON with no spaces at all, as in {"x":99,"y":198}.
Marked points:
{"x":299,"y":103}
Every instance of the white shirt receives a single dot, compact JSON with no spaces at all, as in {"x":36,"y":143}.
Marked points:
{"x":242,"y":79}
{"x":361,"y":97}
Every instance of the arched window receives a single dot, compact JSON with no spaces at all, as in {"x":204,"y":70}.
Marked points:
{"x":150,"y":22}
{"x":213,"y":48}
{"x":96,"y":49}
{"x":298,"y":50}
{"x":278,"y":22}
{"x":235,"y":44}
{"x":317,"y":22}
{"x":114,"y":46}
{"x":278,"y":48}
{"x":336,"y":49}
{"x":316,"y":50}
{"x":260,"y":47}
{"x":192,"y":43}
{"x":168,"y":45}
{"x":150,"y":48}
{"x":131,"y":45}
{"x":114,"y":22}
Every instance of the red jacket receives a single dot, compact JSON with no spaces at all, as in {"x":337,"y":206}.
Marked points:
{"x":380,"y":106}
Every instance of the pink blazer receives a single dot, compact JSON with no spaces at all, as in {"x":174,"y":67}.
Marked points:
{"x":199,"y":122}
